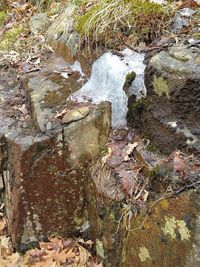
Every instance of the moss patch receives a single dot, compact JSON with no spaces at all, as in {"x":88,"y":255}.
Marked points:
{"x":135,"y":110}
{"x":3,"y":17}
{"x":130,"y":78}
{"x":10,"y":37}
{"x":160,"y":86}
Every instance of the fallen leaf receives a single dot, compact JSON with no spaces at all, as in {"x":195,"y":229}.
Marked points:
{"x":23,"y":110}
{"x":190,"y":4}
{"x":128,"y":150}
{"x":60,"y":114}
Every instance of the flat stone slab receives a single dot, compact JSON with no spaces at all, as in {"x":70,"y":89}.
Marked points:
{"x":75,"y":114}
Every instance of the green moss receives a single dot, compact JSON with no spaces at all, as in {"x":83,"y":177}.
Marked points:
{"x":135,"y":110}
{"x":3,"y":17}
{"x":129,"y":78}
{"x":52,"y":99}
{"x":78,"y":221}
{"x":10,"y":37}
{"x":153,"y":149}
{"x":160,"y":86}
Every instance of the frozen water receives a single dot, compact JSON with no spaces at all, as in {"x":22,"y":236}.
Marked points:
{"x":77,"y":67}
{"x":107,"y":81}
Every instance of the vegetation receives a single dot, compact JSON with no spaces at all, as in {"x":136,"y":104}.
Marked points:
{"x":160,"y":86}
{"x":131,"y":21}
{"x":3,"y":17}
{"x":10,"y":37}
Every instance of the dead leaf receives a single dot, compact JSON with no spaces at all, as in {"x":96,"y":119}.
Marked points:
{"x":13,"y":260}
{"x":128,"y":150}
{"x":190,"y":4}
{"x":23,"y":110}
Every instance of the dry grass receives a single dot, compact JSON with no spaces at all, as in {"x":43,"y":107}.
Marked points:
{"x":136,"y":20}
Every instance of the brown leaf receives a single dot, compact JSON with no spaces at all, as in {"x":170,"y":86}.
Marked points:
{"x":128,"y":150}
{"x":126,"y":182}
{"x":189,"y":3}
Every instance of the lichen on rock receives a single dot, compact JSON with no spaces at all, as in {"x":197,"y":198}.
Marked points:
{"x":160,"y":86}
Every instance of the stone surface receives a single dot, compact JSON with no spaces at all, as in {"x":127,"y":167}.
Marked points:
{"x":65,"y":40}
{"x":62,"y":37}
{"x":45,"y":170}
{"x":48,"y":95}
{"x":168,"y":236}
{"x":45,"y":188}
{"x":38,"y":22}
{"x":171,"y":118}
{"x":75,"y":114}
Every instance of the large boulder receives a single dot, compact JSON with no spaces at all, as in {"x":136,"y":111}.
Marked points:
{"x":171,"y":110}
{"x":165,"y":234}
{"x":45,"y":168}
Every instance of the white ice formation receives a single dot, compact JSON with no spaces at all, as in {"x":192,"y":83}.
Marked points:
{"x":107,"y":80}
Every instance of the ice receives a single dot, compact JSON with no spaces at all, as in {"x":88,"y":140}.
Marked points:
{"x":77,"y":67}
{"x":107,"y":81}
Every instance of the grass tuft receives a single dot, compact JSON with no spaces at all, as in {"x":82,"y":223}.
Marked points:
{"x":130,"y":21}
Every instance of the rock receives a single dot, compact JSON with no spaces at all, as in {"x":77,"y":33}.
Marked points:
{"x":169,"y":236}
{"x":171,"y":114}
{"x":75,"y":114}
{"x":65,"y":40}
{"x":38,"y":22}
{"x":149,"y":160}
{"x":47,"y":96}
{"x":62,"y":36}
{"x":45,"y":165}
{"x":50,"y":176}
{"x":39,"y":89}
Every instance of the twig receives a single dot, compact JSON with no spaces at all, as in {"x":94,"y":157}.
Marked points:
{"x":186,"y":187}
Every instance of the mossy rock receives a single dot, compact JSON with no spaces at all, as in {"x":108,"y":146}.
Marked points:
{"x":130,"y":77}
